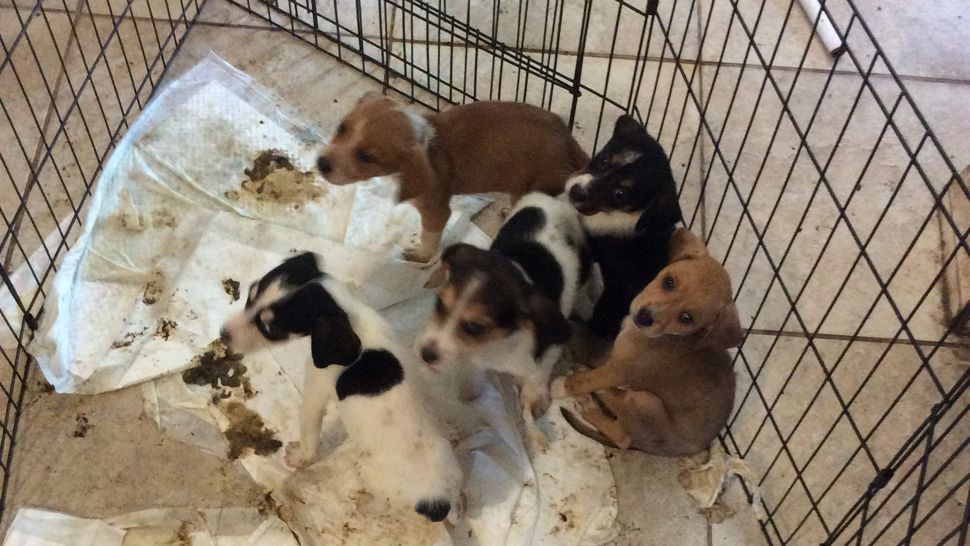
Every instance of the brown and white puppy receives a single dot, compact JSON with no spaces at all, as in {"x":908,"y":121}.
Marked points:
{"x":667,"y":385}
{"x":474,"y":148}
{"x":505,"y":308}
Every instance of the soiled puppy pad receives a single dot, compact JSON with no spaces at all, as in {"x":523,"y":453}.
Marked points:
{"x":205,"y":527}
{"x":326,"y":504}
{"x":153,"y":204}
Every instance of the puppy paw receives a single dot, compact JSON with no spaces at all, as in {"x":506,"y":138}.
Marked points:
{"x":587,"y":407}
{"x":557,"y":389}
{"x":296,"y":456}
{"x":505,"y":211}
{"x":417,"y":255}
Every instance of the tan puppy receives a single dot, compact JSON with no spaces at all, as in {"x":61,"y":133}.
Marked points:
{"x":667,"y":385}
{"x":475,"y":148}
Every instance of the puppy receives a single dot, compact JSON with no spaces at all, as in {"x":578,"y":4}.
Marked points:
{"x":628,"y":199}
{"x":354,"y":358}
{"x":667,"y":386}
{"x":505,"y":308}
{"x":475,"y":148}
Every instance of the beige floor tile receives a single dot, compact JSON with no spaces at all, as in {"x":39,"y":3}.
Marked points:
{"x":920,"y":40}
{"x":774,"y":193}
{"x":781,"y":31}
{"x":741,"y":528}
{"x":618,"y":28}
{"x":654,"y":508}
{"x":888,"y":394}
{"x":784,"y":36}
{"x":320,"y":89}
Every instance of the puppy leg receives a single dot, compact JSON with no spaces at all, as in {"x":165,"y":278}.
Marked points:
{"x":585,"y":382}
{"x":434,"y":217}
{"x":318,"y":390}
{"x":612,"y":428}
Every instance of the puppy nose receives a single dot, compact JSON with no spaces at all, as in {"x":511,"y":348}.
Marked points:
{"x":577,"y":194}
{"x":643,"y":318}
{"x":429,"y":354}
{"x":324,"y":165}
{"x":224,"y":336}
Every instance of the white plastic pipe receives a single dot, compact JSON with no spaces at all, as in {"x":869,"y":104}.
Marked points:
{"x":824,"y":29}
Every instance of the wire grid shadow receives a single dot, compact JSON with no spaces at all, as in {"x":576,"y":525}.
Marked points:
{"x":66,"y":100}
{"x":817,"y":183}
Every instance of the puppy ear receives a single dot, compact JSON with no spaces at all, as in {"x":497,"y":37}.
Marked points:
{"x":456,"y":255}
{"x":661,"y":212}
{"x":417,"y":175}
{"x":725,"y":331}
{"x":333,"y":341}
{"x":551,"y":327}
{"x":627,"y":125}
{"x":685,"y":245}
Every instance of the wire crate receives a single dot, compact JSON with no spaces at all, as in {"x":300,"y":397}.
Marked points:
{"x":816,"y":181}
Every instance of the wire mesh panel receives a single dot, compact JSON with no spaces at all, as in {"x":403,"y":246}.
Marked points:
{"x":816,"y":181}
{"x":73,"y":74}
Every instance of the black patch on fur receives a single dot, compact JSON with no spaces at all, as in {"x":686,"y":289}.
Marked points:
{"x":522,"y":226}
{"x":629,"y":263}
{"x":551,"y":327}
{"x":434,"y":510}
{"x":312,"y":311}
{"x":374,"y":372}
{"x":540,"y":265}
{"x":295,"y":271}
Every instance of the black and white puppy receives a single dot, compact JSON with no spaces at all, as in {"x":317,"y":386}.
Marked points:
{"x":628,"y":200}
{"x":356,"y":359}
{"x":505,"y":308}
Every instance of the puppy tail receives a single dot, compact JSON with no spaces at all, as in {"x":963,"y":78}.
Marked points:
{"x":584,"y":429}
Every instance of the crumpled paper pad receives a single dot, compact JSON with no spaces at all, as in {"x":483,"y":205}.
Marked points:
{"x":706,"y":481}
{"x":176,"y":526}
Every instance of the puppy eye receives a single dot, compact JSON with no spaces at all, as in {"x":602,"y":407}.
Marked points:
{"x":439,"y":306}
{"x":473,"y":329}
{"x":619,"y":194}
{"x":365,"y":157}
{"x":668,"y":283}
{"x":686,"y":318}
{"x":342,"y":128}
{"x":600,"y":160}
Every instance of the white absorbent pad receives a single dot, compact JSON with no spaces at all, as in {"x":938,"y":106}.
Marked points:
{"x":184,"y":218}
{"x":181,"y":169}
{"x":199,"y":527}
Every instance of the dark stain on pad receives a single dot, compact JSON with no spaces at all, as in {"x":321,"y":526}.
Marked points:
{"x":247,"y":431}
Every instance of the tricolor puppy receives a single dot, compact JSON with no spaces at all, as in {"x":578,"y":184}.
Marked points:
{"x":505,"y":308}
{"x":667,"y":386}
{"x":628,"y":199}
{"x":355,"y":359}
{"x":475,"y":148}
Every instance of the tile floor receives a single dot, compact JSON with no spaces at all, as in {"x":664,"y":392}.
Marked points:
{"x":747,"y":142}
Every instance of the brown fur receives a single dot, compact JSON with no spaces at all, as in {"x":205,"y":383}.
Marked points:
{"x":476,"y":148}
{"x":668,"y":388}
